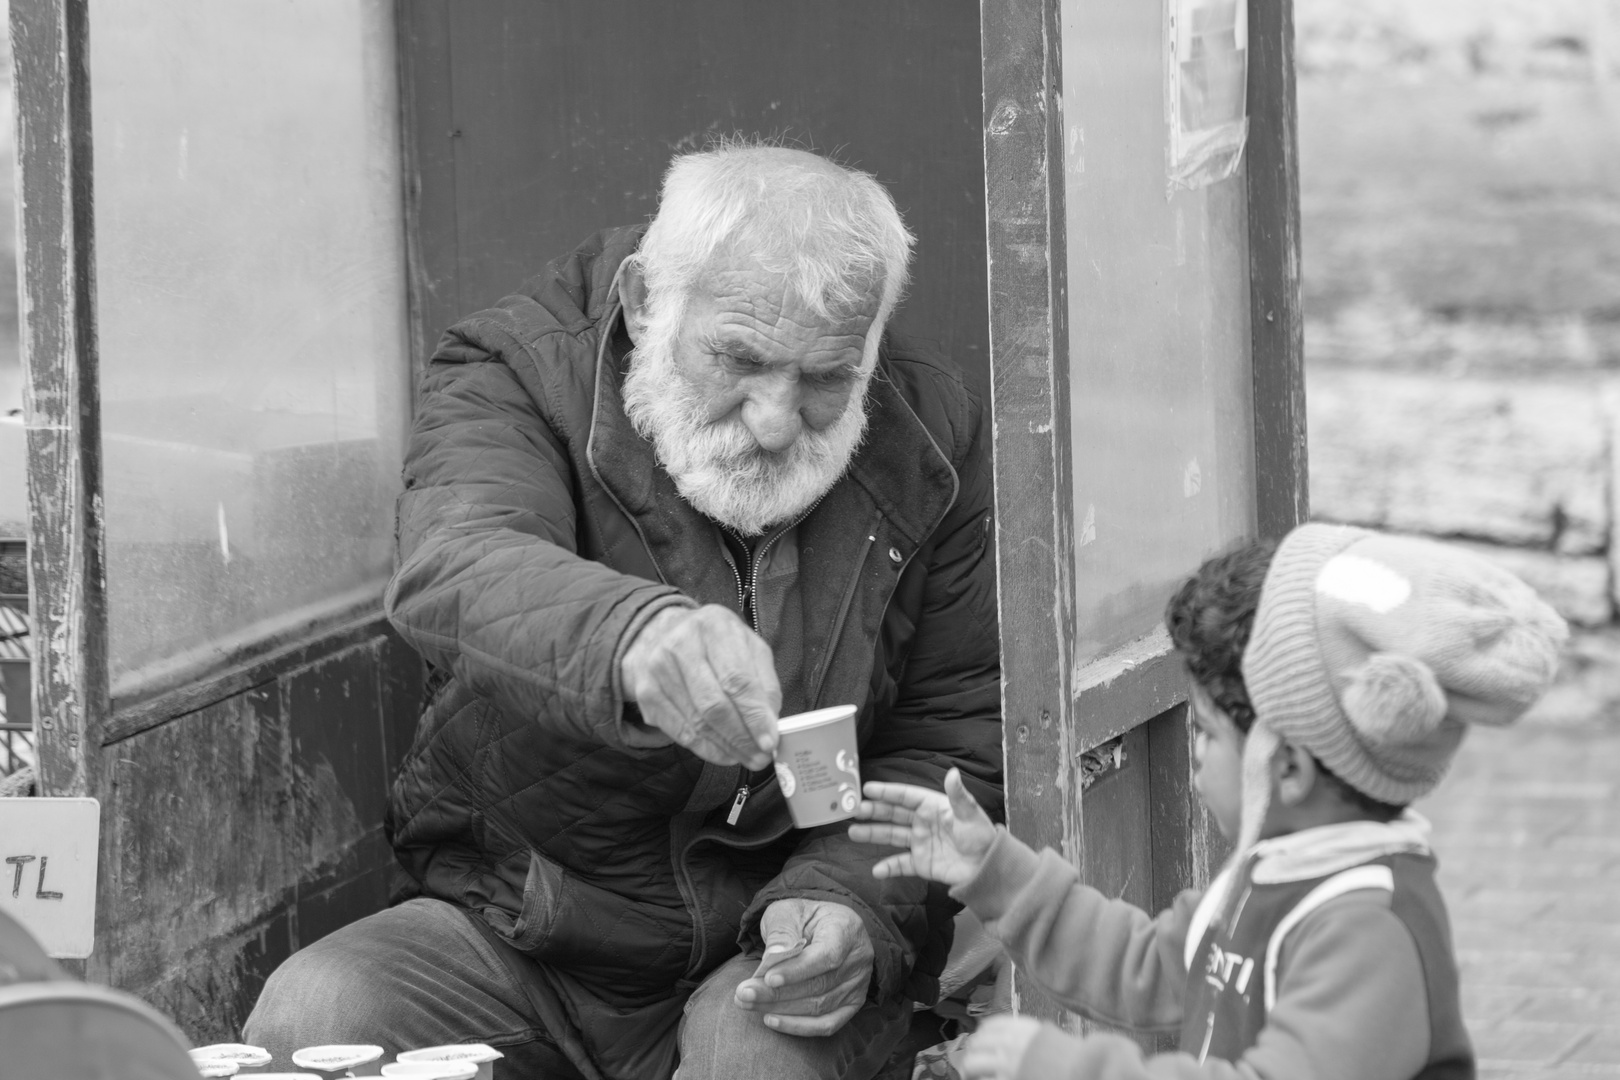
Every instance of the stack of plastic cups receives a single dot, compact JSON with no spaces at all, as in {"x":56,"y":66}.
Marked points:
{"x":478,"y":1054}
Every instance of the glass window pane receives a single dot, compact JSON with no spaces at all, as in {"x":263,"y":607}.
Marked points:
{"x":1158,"y":295}
{"x":251,"y":306}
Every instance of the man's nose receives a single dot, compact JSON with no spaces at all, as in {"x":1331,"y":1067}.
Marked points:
{"x":771,"y":414}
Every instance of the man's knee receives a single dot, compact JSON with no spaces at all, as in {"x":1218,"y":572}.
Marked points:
{"x":316,"y":996}
{"x":721,"y":1040}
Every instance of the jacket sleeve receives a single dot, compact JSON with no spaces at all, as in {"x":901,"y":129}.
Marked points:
{"x":1105,"y":959}
{"x":946,"y":712}
{"x":488,"y":584}
{"x":1350,"y":1006}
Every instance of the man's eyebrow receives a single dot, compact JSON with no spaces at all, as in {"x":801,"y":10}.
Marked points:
{"x":732,"y":346}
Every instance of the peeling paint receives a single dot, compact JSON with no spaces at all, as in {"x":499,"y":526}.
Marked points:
{"x":1192,"y":479}
{"x":1088,"y":528}
{"x":1102,"y":672}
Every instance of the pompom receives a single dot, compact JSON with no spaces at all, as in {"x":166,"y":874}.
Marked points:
{"x":1392,"y":699}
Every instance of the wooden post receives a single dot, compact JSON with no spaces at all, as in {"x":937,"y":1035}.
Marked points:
{"x":1030,"y":394}
{"x":1277,"y":325}
{"x":61,"y":402}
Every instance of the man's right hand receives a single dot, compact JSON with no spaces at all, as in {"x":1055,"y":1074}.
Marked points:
{"x":706,"y":680}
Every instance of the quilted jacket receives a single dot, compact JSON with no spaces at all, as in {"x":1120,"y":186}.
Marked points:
{"x":537,"y":534}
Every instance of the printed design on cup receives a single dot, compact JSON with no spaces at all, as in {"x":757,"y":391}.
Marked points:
{"x":818,"y":764}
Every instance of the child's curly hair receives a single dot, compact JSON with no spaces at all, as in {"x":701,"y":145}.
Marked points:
{"x":1210,"y":617}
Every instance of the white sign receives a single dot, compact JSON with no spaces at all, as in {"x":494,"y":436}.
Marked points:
{"x":48,"y":870}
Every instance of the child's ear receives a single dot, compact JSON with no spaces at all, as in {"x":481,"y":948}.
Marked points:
{"x":1293,"y":773}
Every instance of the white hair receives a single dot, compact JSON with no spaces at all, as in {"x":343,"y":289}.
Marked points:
{"x":833,"y":233}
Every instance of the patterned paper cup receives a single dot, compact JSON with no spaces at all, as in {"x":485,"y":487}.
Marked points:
{"x":818,"y":765}
{"x":340,"y":1060}
{"x":247,"y":1059}
{"x":479,"y":1055}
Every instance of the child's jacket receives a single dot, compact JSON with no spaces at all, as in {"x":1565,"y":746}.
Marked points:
{"x":1326,"y":955}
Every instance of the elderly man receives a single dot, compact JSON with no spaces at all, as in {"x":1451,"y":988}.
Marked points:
{"x":681,"y":484}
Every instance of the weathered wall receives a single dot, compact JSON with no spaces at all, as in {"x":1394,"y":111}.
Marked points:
{"x":244,"y":830}
{"x":1460,"y":174}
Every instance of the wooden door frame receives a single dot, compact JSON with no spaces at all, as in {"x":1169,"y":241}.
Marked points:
{"x":61,"y":393}
{"x":1051,"y":711}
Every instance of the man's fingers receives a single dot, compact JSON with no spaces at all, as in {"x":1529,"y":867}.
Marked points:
{"x":789,"y":1024}
{"x":705,"y":679}
{"x":758,"y":694}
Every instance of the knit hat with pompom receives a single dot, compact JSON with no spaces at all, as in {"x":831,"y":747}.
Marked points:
{"x":1374,"y":653}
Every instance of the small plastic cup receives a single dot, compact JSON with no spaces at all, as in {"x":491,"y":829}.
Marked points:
{"x":818,"y":765}
{"x":247,"y":1059}
{"x":340,"y":1059}
{"x":432,"y":1070}
{"x":477,"y":1054}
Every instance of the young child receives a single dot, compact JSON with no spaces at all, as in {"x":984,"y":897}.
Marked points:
{"x":1333,"y":677}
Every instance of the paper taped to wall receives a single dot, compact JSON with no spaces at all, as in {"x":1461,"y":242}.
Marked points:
{"x":1206,"y":84}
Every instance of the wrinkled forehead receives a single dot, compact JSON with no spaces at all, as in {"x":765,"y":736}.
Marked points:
{"x":770,"y":283}
{"x":749,"y":295}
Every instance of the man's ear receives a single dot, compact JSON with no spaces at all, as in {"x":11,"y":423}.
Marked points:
{"x":633,"y":297}
{"x":1293,"y":773}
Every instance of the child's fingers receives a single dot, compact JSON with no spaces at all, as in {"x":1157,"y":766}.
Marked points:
{"x":907,"y":795}
{"x":895,"y":866}
{"x":963,"y":805}
{"x":891,"y":835}
{"x":871,"y":811}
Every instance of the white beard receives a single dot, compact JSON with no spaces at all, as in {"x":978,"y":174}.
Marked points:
{"x":717,"y":466}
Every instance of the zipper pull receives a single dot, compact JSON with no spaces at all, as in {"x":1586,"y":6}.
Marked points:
{"x":737,"y":805}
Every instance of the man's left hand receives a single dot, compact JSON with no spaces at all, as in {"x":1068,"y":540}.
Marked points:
{"x":816,"y":969}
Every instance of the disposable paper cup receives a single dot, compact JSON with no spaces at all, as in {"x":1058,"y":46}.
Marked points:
{"x":433,"y":1070}
{"x":247,"y":1059}
{"x":818,"y":765}
{"x":340,"y":1059}
{"x":476,"y":1054}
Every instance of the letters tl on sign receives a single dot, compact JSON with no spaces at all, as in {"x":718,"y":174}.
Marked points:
{"x":48,"y":851}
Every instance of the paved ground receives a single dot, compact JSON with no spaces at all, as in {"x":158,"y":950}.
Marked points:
{"x":1528,"y":834}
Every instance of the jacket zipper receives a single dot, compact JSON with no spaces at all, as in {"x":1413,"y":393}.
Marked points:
{"x":753,"y":611}
{"x":737,"y":804}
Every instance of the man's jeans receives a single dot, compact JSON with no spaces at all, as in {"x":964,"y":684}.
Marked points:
{"x":421,"y":974}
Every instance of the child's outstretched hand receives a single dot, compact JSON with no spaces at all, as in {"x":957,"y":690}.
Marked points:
{"x":996,"y":1050}
{"x":948,"y":835}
